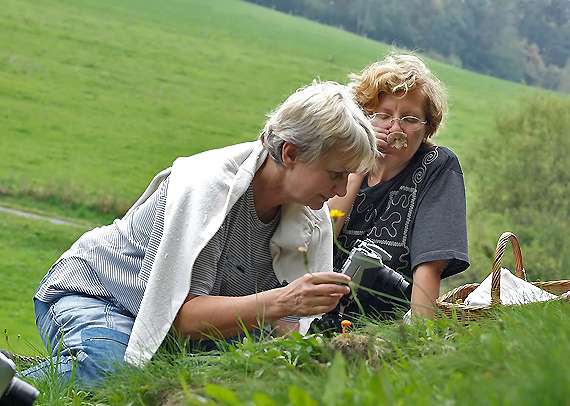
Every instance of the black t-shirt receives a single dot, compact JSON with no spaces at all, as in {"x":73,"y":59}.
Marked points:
{"x":418,"y":216}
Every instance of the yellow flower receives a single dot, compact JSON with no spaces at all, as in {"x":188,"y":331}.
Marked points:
{"x":336,"y":214}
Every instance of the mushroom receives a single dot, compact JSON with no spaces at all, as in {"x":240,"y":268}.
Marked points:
{"x":345,"y":324}
{"x":398,"y":140}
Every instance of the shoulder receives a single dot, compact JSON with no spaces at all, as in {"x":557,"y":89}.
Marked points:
{"x":301,"y":226}
{"x":441,"y":157}
{"x":218,"y":165}
{"x":232,"y":154}
{"x":305,"y":218}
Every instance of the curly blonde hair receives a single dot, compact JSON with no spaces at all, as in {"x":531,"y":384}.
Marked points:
{"x":397,"y":75}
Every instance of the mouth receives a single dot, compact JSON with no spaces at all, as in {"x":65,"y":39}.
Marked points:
{"x":398,"y":140}
{"x":325,"y":199}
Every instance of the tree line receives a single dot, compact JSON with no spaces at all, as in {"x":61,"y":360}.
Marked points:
{"x":524,"y":41}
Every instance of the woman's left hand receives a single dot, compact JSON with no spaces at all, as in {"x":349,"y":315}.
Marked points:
{"x":314,"y":293}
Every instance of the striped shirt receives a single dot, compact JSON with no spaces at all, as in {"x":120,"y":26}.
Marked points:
{"x":114,"y":262}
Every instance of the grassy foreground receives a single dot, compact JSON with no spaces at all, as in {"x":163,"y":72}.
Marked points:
{"x":519,"y":358}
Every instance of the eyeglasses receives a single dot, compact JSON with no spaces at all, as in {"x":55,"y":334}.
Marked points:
{"x":408,"y":123}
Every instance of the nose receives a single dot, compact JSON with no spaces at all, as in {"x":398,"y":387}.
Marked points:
{"x":340,"y":186}
{"x":393,"y":123}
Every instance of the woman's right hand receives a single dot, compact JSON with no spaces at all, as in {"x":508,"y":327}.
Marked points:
{"x":314,"y":293}
{"x":381,"y":138}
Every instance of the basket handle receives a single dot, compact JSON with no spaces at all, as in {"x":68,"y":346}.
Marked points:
{"x":499,"y":252}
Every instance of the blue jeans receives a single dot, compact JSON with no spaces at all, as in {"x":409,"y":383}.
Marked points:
{"x":86,"y":336}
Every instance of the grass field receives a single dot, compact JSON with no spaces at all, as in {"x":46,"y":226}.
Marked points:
{"x":100,"y":109}
{"x":98,"y":96}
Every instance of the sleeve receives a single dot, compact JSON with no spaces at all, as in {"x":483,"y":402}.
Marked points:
{"x":205,"y":278}
{"x":440,"y":227}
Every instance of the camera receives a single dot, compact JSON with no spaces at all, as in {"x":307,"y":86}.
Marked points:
{"x":365,"y":265}
{"x":13,"y":391}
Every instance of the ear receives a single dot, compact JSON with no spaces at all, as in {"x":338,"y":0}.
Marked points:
{"x":289,"y":154}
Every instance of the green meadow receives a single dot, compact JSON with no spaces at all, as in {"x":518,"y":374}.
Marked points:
{"x":28,"y":247}
{"x":96,"y":97}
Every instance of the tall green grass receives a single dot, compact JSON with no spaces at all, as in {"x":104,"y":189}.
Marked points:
{"x":517,"y":358}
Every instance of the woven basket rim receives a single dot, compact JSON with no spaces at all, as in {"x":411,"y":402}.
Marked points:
{"x":447,"y":302}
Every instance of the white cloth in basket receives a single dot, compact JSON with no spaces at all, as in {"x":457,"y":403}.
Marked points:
{"x":514,"y":290}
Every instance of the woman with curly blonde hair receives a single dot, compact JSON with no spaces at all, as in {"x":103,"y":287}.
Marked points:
{"x":412,"y":203}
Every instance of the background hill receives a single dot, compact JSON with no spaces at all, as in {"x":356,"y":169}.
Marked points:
{"x":98,"y":96}
{"x":517,"y":40}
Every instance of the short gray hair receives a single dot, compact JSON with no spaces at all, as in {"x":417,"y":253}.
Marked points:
{"x":315,"y":118}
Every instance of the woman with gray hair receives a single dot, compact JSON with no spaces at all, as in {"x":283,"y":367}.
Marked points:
{"x":227,"y":240}
{"x":412,"y":203}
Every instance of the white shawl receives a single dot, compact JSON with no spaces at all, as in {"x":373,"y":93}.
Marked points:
{"x":202,"y":189}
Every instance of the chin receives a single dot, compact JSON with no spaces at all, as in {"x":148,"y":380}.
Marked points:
{"x":316,"y":206}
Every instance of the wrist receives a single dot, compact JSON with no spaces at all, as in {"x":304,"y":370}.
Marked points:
{"x":272,"y":306}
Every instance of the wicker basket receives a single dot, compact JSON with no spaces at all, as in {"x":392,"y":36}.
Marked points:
{"x":451,"y":303}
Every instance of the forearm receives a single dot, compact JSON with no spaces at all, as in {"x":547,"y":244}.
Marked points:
{"x":425,"y":291}
{"x":225,"y":316}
